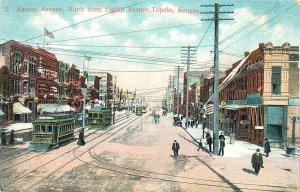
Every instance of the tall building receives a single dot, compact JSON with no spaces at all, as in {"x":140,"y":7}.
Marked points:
{"x":260,"y":96}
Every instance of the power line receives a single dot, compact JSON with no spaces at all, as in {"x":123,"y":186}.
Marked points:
{"x":204,"y":34}
{"x":121,"y":46}
{"x":123,"y":60}
{"x":82,"y":22}
{"x":260,"y":26}
{"x":119,"y":55}
{"x":129,"y":32}
{"x":241,"y":29}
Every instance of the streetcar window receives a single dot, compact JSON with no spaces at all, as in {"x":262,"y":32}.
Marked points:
{"x":90,"y":115}
{"x":37,"y":129}
{"x":95,"y":115}
{"x":54,"y":128}
{"x":100,"y":115}
{"x":43,"y":129}
{"x":50,"y":129}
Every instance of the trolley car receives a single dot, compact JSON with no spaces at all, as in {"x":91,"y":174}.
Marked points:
{"x":99,"y":117}
{"x":138,"y":111}
{"x":51,"y":130}
{"x":144,"y":109}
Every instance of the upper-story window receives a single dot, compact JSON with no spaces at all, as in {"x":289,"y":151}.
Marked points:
{"x":32,"y":66}
{"x":16,"y":64}
{"x":276,"y":80}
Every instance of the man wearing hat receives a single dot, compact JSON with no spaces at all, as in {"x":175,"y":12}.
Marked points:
{"x":175,"y":148}
{"x":267,"y":147}
{"x":257,"y":161}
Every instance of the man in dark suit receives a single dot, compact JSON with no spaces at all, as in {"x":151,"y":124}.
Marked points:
{"x":175,"y":148}
{"x":257,"y":161}
{"x":267,"y":147}
{"x":222,"y":146}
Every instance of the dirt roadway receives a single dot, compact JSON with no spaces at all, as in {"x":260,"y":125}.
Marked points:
{"x":140,"y":159}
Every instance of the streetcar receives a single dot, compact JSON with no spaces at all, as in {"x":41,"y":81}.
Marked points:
{"x":139,"y":110}
{"x":144,"y":109}
{"x":51,"y":130}
{"x":99,"y":117}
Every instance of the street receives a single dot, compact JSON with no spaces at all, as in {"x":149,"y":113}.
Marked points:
{"x":140,"y":159}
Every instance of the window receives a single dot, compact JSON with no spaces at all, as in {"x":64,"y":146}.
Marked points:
{"x":32,"y":66}
{"x":17,"y":87}
{"x":25,"y":87}
{"x":49,"y":129}
{"x":43,"y":129}
{"x":16,"y":63}
{"x":276,"y":80}
{"x":37,"y":129}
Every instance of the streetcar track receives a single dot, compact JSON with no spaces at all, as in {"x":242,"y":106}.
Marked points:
{"x":13,"y":165}
{"x":74,"y":157}
{"x":28,"y":152}
{"x":56,"y":157}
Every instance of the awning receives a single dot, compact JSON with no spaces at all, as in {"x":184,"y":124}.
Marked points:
{"x":53,"y":108}
{"x":235,"y":107}
{"x":67,"y":108}
{"x":20,"y":109}
{"x":49,"y":108}
{"x":1,"y":112}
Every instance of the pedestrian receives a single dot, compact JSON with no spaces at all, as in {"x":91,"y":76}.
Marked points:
{"x":3,"y":138}
{"x":222,"y":146}
{"x":257,"y":161}
{"x":221,"y":136}
{"x":267,"y":147}
{"x":203,"y":128}
{"x":209,"y":141}
{"x":197,"y":123}
{"x":12,"y":137}
{"x":232,"y":139}
{"x":81,"y":137}
{"x":175,"y":148}
{"x":200,"y":145}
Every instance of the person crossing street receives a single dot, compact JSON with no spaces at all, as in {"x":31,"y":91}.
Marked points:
{"x":175,"y":148}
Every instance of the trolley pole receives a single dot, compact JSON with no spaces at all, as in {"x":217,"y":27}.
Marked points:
{"x":216,"y":71}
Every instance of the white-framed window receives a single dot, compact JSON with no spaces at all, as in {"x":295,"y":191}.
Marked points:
{"x":16,"y":63}
{"x":17,"y":87}
{"x":32,"y":66}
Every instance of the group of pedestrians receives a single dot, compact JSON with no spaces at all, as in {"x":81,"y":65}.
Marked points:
{"x":191,"y":123}
{"x":256,"y":159}
{"x":12,"y":138}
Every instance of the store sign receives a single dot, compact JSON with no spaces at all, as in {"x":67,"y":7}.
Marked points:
{"x":244,"y":122}
{"x":259,"y":127}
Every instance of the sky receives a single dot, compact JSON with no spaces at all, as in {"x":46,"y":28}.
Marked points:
{"x":147,"y":45}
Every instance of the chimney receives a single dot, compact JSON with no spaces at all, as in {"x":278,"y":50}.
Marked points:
{"x":261,"y":45}
{"x":246,"y":53}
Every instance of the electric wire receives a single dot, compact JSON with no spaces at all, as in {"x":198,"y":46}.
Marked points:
{"x":74,"y":24}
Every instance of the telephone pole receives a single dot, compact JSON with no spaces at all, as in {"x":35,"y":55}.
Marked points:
{"x":173,"y":95}
{"x":216,"y":19}
{"x":177,"y":102}
{"x":190,"y":54}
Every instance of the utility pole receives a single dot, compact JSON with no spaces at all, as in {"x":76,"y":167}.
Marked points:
{"x":170,"y":91}
{"x":173,"y":95}
{"x":216,"y":70}
{"x":189,"y":55}
{"x":177,"y":102}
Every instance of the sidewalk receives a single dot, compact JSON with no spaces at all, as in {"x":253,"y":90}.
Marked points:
{"x":17,"y":127}
{"x":239,"y":148}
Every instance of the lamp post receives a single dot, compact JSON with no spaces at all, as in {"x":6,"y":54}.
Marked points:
{"x":84,"y":91}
